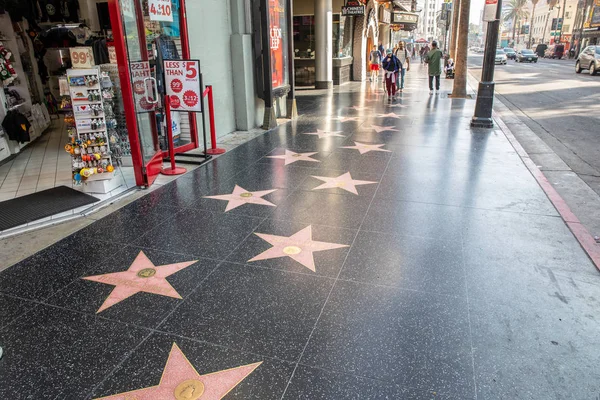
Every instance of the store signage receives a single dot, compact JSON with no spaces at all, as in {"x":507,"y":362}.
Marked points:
{"x":405,"y":18}
{"x":160,"y":10}
{"x":489,"y":10}
{"x":278,"y":41}
{"x":386,"y":16}
{"x":142,"y":89}
{"x":82,"y":57}
{"x":182,"y":83}
{"x":353,"y":7}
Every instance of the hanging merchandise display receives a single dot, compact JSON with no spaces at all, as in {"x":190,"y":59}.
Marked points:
{"x":89,"y":144}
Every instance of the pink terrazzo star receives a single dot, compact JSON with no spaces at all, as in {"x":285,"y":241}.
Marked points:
{"x":396,"y":105}
{"x":299,"y":247}
{"x":365,"y":148}
{"x":142,"y":276}
{"x":389,"y":115}
{"x":343,"y":181}
{"x":241,"y":196}
{"x":345,"y":119}
{"x":290,"y":157}
{"x":325,"y":134}
{"x":181,"y":381}
{"x":380,"y":129}
{"x":358,"y":108}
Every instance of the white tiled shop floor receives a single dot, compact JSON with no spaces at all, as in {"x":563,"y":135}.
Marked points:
{"x":45,"y":164}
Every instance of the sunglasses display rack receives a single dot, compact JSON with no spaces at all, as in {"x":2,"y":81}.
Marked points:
{"x":89,"y":144}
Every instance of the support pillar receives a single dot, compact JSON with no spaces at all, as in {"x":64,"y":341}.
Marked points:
{"x":324,"y":44}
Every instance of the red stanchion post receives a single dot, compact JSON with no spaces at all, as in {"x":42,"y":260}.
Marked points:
{"x":214,"y":150}
{"x":173,"y":170}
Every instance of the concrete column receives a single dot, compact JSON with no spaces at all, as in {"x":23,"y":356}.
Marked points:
{"x":324,"y":44}
{"x":243,"y":74}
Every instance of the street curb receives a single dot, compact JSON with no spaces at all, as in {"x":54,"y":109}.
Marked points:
{"x":583,"y":236}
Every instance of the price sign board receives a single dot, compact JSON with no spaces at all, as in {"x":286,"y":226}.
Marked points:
{"x":82,"y":57}
{"x":182,"y":83}
{"x":160,"y":10}
{"x":142,"y":89}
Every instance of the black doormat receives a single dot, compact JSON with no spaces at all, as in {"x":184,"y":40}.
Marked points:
{"x":39,"y":205}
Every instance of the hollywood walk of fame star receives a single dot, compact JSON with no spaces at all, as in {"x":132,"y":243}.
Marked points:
{"x":358,"y":108}
{"x":343,"y":181}
{"x":142,"y":276}
{"x":345,"y":119}
{"x":389,"y":115}
{"x":325,"y":134}
{"x":299,"y":247}
{"x":380,"y":129}
{"x":241,"y":196}
{"x":396,"y":105}
{"x":365,"y":148}
{"x":291,"y":157}
{"x":181,"y":381}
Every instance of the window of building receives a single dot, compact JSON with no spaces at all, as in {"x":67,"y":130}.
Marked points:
{"x":566,"y":28}
{"x":304,"y":36}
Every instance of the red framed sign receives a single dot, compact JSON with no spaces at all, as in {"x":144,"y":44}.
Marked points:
{"x":183,"y":85}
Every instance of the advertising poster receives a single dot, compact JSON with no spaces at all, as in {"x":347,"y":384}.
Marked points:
{"x":141,"y":86}
{"x":182,"y":83}
{"x":278,"y":43}
{"x":160,"y":10}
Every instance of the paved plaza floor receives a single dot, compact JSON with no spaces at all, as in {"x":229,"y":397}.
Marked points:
{"x":367,"y":250}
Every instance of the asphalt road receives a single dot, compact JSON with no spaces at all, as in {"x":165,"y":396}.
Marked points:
{"x":560,"y":106}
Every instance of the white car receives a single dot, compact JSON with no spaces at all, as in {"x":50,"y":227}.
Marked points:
{"x":501,"y":57}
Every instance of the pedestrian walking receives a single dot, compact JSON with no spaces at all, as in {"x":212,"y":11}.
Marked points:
{"x":413,"y":53}
{"x":375,"y":61}
{"x":424,"y":51}
{"x":401,"y":54}
{"x":391,"y":66}
{"x":433,"y":59}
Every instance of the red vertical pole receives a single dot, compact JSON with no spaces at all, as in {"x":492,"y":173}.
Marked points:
{"x":173,"y":170}
{"x":185,"y":50}
{"x":213,"y":130}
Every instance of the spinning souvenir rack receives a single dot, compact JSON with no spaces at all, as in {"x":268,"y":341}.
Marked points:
{"x":88,"y":129}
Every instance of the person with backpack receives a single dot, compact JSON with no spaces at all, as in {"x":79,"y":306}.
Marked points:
{"x":391,"y":66}
{"x":403,"y":57}
{"x":433,"y":59}
{"x":375,"y":62}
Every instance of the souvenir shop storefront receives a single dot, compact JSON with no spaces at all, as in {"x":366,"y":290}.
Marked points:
{"x":83,"y":79}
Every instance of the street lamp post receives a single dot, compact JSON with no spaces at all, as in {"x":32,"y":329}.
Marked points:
{"x":485,"y":92}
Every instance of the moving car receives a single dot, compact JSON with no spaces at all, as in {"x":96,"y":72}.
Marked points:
{"x":511,"y":54}
{"x":555,"y":51}
{"x":540,"y":49}
{"x":526,"y":55}
{"x":588,"y":59}
{"x":501,"y":57}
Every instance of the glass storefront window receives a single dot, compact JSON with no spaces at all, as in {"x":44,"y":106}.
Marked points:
{"x":304,"y":36}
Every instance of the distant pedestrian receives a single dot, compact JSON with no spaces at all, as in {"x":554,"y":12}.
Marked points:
{"x":381,"y":50}
{"x":391,"y":66}
{"x":402,"y":54}
{"x":433,"y":59}
{"x":424,"y":51}
{"x":375,"y":62}
{"x":413,"y":52}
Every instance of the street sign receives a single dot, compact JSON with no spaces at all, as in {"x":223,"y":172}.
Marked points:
{"x":182,"y":82}
{"x":489,"y":10}
{"x":353,"y":7}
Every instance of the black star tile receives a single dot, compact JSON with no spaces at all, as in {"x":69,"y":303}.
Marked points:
{"x":407,"y":337}
{"x":409,"y":262}
{"x":354,"y":162}
{"x":327,"y":262}
{"x":53,"y":268}
{"x":145,"y":366}
{"x":55,"y":353}
{"x":200,"y":233}
{"x":318,"y":384}
{"x":324,"y":208}
{"x":253,"y":309}
{"x":143,"y":309}
{"x":12,"y":308}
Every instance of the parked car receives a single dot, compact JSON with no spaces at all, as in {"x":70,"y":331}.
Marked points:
{"x":511,"y":54}
{"x":501,"y":57}
{"x":555,"y":51}
{"x":588,"y":59}
{"x":526,"y":55}
{"x":540,"y":49}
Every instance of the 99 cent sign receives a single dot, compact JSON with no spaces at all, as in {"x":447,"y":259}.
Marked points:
{"x":182,"y":82}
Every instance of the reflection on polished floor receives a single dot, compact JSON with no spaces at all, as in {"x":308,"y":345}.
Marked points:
{"x":368,"y":250}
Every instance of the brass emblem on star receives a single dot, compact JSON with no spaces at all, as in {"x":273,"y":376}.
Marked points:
{"x":146,"y":273}
{"x":296,"y":155}
{"x":246,"y":194}
{"x":291,"y":250}
{"x":191,"y":389}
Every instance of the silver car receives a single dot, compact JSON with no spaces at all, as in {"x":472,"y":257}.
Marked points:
{"x":501,"y":57}
{"x":588,"y":59}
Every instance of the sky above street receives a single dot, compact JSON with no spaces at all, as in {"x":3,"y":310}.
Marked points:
{"x":476,"y":7}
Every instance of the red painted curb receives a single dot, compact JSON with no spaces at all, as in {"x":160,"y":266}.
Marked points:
{"x":583,"y":236}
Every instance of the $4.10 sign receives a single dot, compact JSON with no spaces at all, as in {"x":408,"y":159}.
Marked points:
{"x":82,"y":57}
{"x":182,"y":81}
{"x":160,"y":10}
